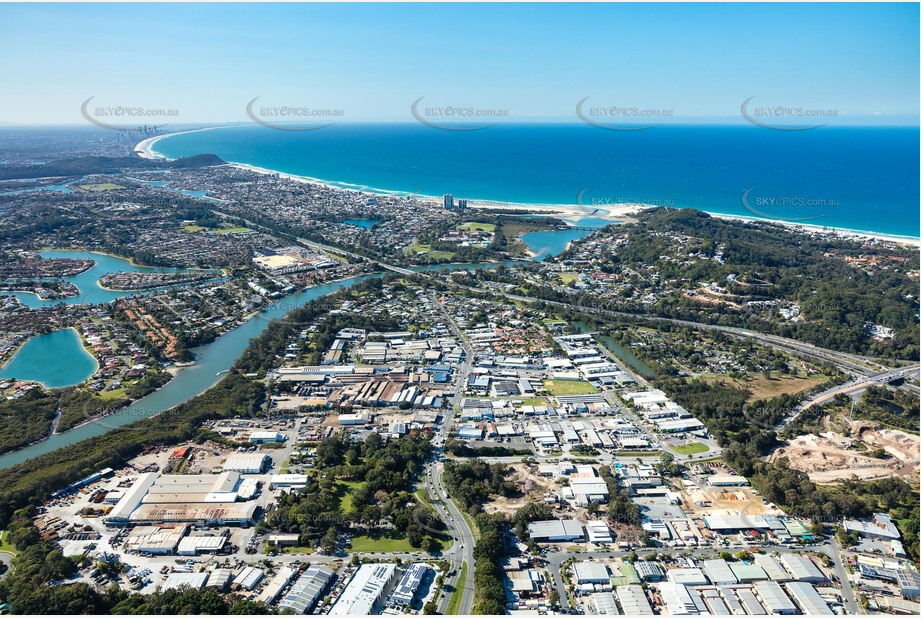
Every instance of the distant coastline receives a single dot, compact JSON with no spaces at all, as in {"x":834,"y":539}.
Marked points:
{"x":571,"y":213}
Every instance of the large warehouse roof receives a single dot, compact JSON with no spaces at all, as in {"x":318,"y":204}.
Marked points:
{"x":158,"y":498}
{"x":633,"y":601}
{"x":364,"y":590}
{"x":192,"y":580}
{"x":556,"y":529}
{"x":307,"y":589}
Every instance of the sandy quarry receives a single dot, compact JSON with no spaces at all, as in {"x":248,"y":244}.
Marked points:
{"x":831,"y":456}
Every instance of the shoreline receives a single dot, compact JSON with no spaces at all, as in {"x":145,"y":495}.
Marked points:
{"x":568,"y":212}
{"x":42,"y":384}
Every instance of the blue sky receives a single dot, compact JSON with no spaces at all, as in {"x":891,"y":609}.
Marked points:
{"x":536,"y":61}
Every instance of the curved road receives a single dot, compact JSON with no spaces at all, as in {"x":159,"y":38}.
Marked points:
{"x":882,"y":378}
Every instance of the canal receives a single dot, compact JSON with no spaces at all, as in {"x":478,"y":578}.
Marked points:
{"x":211,"y":360}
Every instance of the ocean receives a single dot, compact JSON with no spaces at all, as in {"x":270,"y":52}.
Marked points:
{"x":853,"y":178}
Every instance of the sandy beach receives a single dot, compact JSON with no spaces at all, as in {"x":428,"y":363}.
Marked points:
{"x":144,"y":149}
{"x":571,"y":213}
{"x":837,"y":232}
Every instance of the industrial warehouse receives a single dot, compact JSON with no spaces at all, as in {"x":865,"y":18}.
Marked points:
{"x":203,"y":499}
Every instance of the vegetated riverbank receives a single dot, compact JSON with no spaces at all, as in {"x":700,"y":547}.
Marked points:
{"x":234,"y":395}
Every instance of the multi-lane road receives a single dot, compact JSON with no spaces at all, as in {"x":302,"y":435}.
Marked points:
{"x":462,"y":551}
{"x":856,"y":385}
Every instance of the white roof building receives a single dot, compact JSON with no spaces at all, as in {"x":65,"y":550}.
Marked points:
{"x":773,"y":598}
{"x":192,"y":580}
{"x":364,"y":592}
{"x":273,"y":589}
{"x":677,"y":600}
{"x":809,"y":601}
{"x":802,"y":568}
{"x":718,"y":572}
{"x":604,"y":603}
{"x":633,"y":601}
{"x":247,"y":463}
{"x":598,"y":532}
{"x":249,"y":578}
{"x":687,"y":577}
{"x":288,"y":480}
{"x":405,"y":591}
{"x":555,"y":530}
{"x":307,"y":590}
{"x":194,"y":545}
{"x":772,"y":567}
{"x":591,"y":573}
{"x":586,"y":490}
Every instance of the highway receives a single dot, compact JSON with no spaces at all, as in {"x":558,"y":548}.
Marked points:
{"x":850,"y":363}
{"x":319,"y":246}
{"x":878,"y":379}
{"x":460,"y":529}
{"x":867,"y":371}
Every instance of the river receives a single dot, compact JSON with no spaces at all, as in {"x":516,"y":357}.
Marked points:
{"x":88,"y":281}
{"x":211,"y":360}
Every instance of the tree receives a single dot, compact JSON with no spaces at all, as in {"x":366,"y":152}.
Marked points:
{"x":23,"y":537}
{"x":328,"y":543}
{"x":667,"y":465}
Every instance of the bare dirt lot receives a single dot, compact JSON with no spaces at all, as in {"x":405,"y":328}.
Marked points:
{"x":534,"y":488}
{"x":831,"y":456}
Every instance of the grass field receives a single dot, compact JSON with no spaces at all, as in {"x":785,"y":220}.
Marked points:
{"x":344,"y":492}
{"x":426,"y":250}
{"x":193,"y":228}
{"x":534,"y":401}
{"x":524,"y":226}
{"x":778,"y":384}
{"x":110,"y":395}
{"x":454,"y":603}
{"x":5,"y":543}
{"x":568,"y":278}
{"x":231,"y":230}
{"x":477,"y":226}
{"x":569,"y":387}
{"x":105,"y":186}
{"x":381,"y":542}
{"x":297,"y":550}
{"x":691,"y":448}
